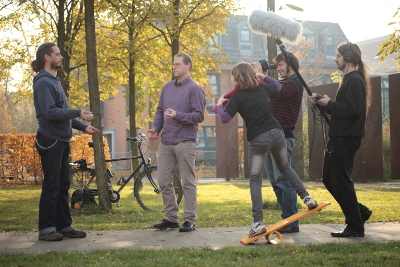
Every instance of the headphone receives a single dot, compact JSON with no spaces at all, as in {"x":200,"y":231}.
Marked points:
{"x":348,"y":55}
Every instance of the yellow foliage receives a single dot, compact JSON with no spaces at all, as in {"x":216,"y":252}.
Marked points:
{"x":336,"y":77}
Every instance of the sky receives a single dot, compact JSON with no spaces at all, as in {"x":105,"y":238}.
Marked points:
{"x":359,"y":19}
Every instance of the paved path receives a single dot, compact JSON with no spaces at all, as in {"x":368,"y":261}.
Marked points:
{"x":202,"y":237}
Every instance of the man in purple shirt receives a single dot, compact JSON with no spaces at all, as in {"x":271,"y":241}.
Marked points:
{"x":180,"y":109}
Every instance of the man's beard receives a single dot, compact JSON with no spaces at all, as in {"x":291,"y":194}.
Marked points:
{"x":54,"y":66}
{"x":342,"y":66}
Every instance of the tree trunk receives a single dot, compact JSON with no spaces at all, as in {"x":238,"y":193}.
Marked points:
{"x":132,"y":88}
{"x":94,"y":95}
{"x":132,"y":102}
{"x":61,"y":45}
{"x":175,"y":32}
{"x":61,"y":40}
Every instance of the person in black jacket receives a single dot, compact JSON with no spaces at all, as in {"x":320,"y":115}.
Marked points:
{"x":56,"y":121}
{"x":346,"y":129}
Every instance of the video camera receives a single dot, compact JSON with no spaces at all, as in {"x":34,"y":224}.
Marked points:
{"x":266,"y":66}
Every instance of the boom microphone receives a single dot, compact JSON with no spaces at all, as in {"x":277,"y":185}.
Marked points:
{"x":278,"y":27}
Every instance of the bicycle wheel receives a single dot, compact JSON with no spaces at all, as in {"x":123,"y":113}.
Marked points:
{"x":148,"y":196}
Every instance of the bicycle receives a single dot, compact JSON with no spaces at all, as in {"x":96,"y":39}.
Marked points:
{"x":146,"y":189}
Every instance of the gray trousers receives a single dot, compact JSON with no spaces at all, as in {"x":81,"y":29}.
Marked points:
{"x":182,"y":155}
{"x":273,"y":141}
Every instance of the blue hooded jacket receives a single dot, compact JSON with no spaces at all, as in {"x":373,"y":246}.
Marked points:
{"x":55,"y":118}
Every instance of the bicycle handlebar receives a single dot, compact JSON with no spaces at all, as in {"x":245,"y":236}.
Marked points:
{"x":137,"y":139}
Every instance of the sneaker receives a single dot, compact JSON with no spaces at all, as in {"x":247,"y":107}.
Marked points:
{"x":187,"y":227}
{"x":289,"y":229}
{"x":166,"y":224}
{"x":256,"y":229}
{"x":74,"y":234}
{"x":310,"y":202}
{"x":52,"y":236}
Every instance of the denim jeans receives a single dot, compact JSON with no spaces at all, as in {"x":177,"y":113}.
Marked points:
{"x":54,"y":214}
{"x":273,"y":141}
{"x":285,"y":194}
{"x":182,"y":155}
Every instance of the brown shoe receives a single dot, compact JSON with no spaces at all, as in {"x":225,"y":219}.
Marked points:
{"x":73,"y":234}
{"x":52,"y":236}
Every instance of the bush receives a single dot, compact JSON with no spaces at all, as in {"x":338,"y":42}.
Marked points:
{"x":20,"y":162}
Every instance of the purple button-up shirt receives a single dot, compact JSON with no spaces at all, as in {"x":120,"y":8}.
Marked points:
{"x":188,"y":100}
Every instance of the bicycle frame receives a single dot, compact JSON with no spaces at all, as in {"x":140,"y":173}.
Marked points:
{"x":146,"y":166}
{"x":143,"y":172}
{"x":138,"y":141}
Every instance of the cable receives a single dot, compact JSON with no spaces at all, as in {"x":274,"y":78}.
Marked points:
{"x":319,"y":115}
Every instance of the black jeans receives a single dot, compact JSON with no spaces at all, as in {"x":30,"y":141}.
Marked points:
{"x":337,"y":170}
{"x":54,"y":214}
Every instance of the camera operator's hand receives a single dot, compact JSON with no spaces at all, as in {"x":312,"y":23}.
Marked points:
{"x":257,"y":66}
{"x":324,"y":101}
{"x":312,"y":99}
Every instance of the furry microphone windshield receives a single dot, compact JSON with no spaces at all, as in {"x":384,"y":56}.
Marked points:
{"x":278,"y":27}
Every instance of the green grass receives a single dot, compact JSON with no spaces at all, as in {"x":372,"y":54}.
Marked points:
{"x":334,"y":255}
{"x":219,"y":205}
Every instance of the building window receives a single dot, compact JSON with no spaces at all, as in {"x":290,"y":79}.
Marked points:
{"x":102,"y":109}
{"x":245,"y":38}
{"x":206,"y":146}
{"x":109,"y":138}
{"x":385,"y":98}
{"x":329,"y":48}
{"x":109,"y":135}
{"x":214,"y":84}
{"x":128,"y":143}
{"x":214,"y":40}
{"x":309,"y":36}
{"x":127,"y":107}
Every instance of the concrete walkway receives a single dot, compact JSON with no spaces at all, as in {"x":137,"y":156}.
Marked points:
{"x":202,"y":237}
